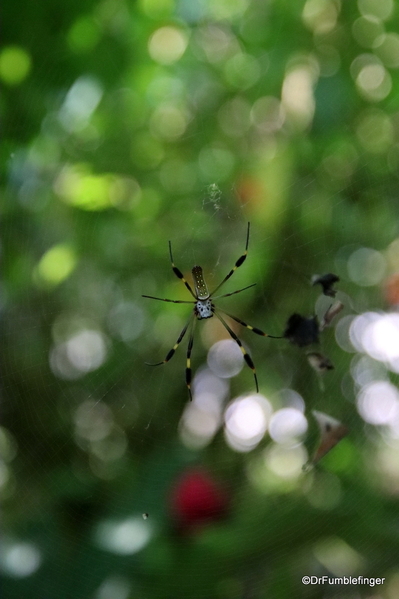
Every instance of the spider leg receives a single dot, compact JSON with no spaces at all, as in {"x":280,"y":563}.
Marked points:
{"x":234,"y":292}
{"x":171,"y":352}
{"x":239,"y":262}
{"x":188,"y":367}
{"x":251,"y":328}
{"x":162,"y":299}
{"x":246,"y":355}
{"x":178,"y":273}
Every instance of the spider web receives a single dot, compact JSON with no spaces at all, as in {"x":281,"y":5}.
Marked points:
{"x":93,"y":438}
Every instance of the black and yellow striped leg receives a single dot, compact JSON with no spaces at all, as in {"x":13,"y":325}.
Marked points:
{"x":248,"y":326}
{"x":246,"y":355}
{"x":178,"y":273}
{"x":233,"y":292}
{"x":170,"y":354}
{"x":188,"y":364}
{"x":162,"y":299}
{"x":239,"y":262}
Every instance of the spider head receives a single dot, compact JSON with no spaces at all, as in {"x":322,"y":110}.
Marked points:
{"x":201,"y":289}
{"x":203,"y":309}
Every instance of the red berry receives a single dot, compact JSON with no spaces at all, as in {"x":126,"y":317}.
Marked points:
{"x":197,"y":499}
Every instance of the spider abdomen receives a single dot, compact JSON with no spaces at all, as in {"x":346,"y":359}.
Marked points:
{"x":203,"y":309}
{"x":201,"y":289}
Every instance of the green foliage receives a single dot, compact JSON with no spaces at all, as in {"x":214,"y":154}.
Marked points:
{"x":129,"y":124}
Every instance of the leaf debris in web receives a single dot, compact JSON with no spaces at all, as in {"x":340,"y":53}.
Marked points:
{"x":326,"y":281}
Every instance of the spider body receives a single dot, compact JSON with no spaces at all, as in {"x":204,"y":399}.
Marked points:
{"x":204,"y":308}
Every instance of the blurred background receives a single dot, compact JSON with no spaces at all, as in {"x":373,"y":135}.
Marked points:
{"x":126,"y":125}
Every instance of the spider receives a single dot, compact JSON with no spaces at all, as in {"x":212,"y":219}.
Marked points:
{"x":205,"y":308}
